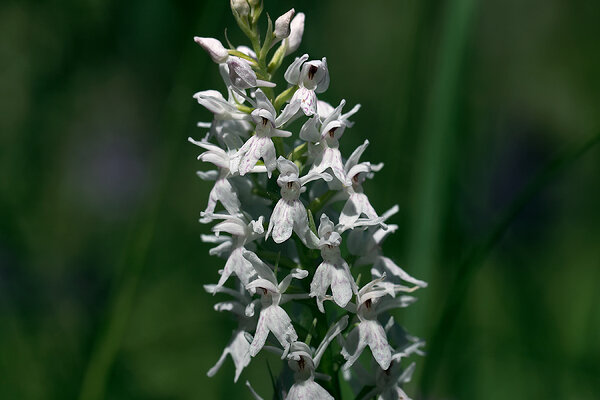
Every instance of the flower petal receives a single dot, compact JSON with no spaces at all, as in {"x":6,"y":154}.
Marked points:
{"x":373,"y":334}
{"x":282,"y":222}
{"x":320,"y":283}
{"x":341,"y":286}
{"x":308,"y":389}
{"x":292,"y":74}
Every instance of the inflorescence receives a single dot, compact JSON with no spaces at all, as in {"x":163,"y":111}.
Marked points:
{"x":272,"y":184}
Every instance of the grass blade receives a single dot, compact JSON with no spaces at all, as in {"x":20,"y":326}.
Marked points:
{"x":467,"y":269}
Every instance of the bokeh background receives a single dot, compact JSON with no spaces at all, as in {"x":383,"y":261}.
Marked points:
{"x":484,"y":112}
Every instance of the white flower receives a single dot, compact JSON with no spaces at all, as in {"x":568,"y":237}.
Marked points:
{"x":214,"y":48}
{"x":241,"y":7}
{"x":289,"y":213}
{"x":367,"y":245}
{"x":222,"y":191}
{"x":229,"y":133}
{"x":327,"y":153}
{"x":214,"y":101}
{"x":311,"y":77}
{"x":242,"y":76}
{"x":238,"y":346}
{"x":296,"y":31}
{"x":358,"y":202}
{"x":387,"y":383}
{"x":304,"y":364}
{"x":260,"y":145}
{"x":282,"y":25}
{"x":241,"y":233}
{"x":272,"y":317}
{"x":369,"y":332}
{"x":333,"y":271}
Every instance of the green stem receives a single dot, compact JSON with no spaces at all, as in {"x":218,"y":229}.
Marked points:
{"x":319,"y":202}
{"x":239,"y":54}
{"x":243,"y":108}
{"x":278,"y":142}
{"x":272,"y":257}
{"x":284,"y":97}
{"x":298,"y":152}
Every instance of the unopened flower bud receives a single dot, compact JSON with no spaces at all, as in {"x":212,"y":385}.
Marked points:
{"x":241,"y":7}
{"x":296,"y":32}
{"x":214,"y":48}
{"x":282,"y":25}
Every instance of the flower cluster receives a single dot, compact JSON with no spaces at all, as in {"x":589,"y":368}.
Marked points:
{"x":270,"y":192}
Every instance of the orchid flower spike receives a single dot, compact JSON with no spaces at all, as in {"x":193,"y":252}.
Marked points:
{"x":253,"y":158}
{"x":311,"y":77}
{"x":289,"y":213}
{"x":333,"y":271}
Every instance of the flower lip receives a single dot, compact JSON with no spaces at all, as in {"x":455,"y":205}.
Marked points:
{"x":312,"y":70}
{"x":301,"y":362}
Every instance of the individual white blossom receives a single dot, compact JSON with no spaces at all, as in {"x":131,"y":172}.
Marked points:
{"x":222,"y":191}
{"x":311,"y":77}
{"x":222,"y":109}
{"x":289,"y":213}
{"x":358,"y":203}
{"x":241,"y":233}
{"x":327,"y":131}
{"x":241,"y":7}
{"x":366,"y":244}
{"x":370,"y":302}
{"x":242,"y":76}
{"x":333,"y":271}
{"x":214,"y":48}
{"x":272,"y":317}
{"x":260,"y":145}
{"x":303,"y":361}
{"x":282,"y":25}
{"x":228,"y":133}
{"x":387,"y":383}
{"x":238,"y":347}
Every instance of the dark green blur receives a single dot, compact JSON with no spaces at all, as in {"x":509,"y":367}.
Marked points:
{"x":485,"y":114}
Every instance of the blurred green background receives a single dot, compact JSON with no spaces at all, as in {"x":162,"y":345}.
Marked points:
{"x":466,"y":102}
